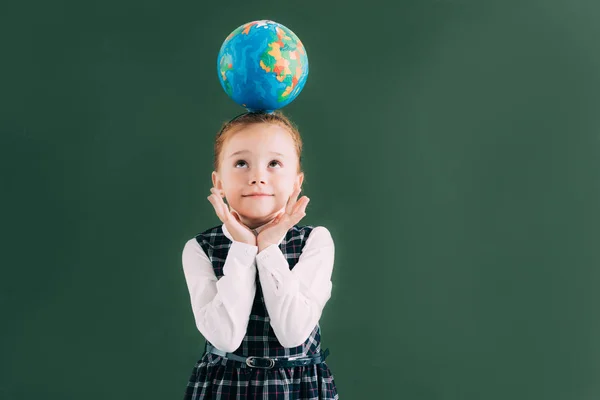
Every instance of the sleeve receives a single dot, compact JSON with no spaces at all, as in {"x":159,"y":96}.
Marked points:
{"x":221,"y":307}
{"x":295,"y":298}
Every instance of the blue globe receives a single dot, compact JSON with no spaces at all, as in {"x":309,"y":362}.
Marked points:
{"x":262,"y":66}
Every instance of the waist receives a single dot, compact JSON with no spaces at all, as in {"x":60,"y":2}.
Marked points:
{"x":270,"y":363}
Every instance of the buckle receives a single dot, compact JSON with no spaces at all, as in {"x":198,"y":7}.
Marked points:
{"x":249,"y":362}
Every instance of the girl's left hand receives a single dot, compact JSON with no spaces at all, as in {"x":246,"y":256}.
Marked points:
{"x":295,"y":210}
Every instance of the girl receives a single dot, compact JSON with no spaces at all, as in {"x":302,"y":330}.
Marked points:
{"x":258,"y":282}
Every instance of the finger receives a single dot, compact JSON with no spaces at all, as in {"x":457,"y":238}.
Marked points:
{"x":218,"y":193}
{"x":223,"y":207}
{"x":219,"y":205}
{"x":235,"y":214}
{"x":214,"y":194}
{"x":297,"y":217}
{"x":292,"y":201}
{"x":301,"y":205}
{"x":279,"y":218}
{"x":213,"y":200}
{"x":237,"y":217}
{"x":276,"y":219}
{"x":301,"y":212}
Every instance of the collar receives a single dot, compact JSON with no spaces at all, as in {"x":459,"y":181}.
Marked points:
{"x":256,"y":231}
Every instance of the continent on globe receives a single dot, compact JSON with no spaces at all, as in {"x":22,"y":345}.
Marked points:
{"x":262,"y":65}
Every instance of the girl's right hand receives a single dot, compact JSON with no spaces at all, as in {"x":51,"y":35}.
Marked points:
{"x":239,"y":232}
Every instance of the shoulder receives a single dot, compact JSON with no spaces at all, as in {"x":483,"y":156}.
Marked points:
{"x":192,"y":252}
{"x":214,"y":231}
{"x":209,"y":236}
{"x":194,"y":245}
{"x":318,"y":236}
{"x":319,"y":244}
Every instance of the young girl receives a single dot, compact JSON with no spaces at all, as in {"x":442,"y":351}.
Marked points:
{"x":258,"y":282}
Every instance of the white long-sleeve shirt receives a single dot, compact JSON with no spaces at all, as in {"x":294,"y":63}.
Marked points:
{"x":294,"y":298}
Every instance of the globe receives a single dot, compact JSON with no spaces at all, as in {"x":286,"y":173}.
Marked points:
{"x":262,"y":66}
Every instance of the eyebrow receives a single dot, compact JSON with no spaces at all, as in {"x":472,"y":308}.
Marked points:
{"x":246,"y":151}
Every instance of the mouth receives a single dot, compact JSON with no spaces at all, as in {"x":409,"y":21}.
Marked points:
{"x":259,"y":195}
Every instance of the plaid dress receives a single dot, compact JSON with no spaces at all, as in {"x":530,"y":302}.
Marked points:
{"x":214,"y":377}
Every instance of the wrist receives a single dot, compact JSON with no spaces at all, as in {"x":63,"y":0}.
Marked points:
{"x":245,"y":241}
{"x":263,"y":245}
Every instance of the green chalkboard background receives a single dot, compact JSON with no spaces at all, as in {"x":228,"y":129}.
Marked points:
{"x":452,"y":148}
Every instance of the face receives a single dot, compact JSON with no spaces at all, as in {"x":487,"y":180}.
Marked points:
{"x":258,"y":158}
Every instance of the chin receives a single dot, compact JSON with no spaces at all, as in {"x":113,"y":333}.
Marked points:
{"x":257,"y":213}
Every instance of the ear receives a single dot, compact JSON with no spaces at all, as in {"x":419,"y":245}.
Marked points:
{"x":300,"y":179}
{"x":216,"y":181}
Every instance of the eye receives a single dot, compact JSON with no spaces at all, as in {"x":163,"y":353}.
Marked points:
{"x":276,"y":162}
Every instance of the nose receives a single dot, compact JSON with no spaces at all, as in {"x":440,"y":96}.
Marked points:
{"x":257,"y":177}
{"x":257,"y":180}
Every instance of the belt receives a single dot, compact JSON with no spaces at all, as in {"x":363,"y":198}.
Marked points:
{"x":269,"y":363}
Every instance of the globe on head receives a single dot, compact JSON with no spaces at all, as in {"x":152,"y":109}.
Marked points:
{"x":262,"y":66}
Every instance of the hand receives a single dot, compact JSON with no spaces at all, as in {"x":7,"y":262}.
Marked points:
{"x":294,"y":212}
{"x":239,"y":232}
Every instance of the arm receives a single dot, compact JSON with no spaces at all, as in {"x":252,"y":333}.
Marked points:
{"x":295,"y":299}
{"x":221,"y":307}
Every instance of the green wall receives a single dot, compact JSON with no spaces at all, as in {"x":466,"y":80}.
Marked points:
{"x":451,"y":148}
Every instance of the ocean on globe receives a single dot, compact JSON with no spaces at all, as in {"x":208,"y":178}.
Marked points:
{"x":262,"y":66}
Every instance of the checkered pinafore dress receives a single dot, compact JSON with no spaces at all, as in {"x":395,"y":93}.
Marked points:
{"x":214,"y":377}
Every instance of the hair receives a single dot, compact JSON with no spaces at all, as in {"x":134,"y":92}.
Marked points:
{"x":249,"y":118}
